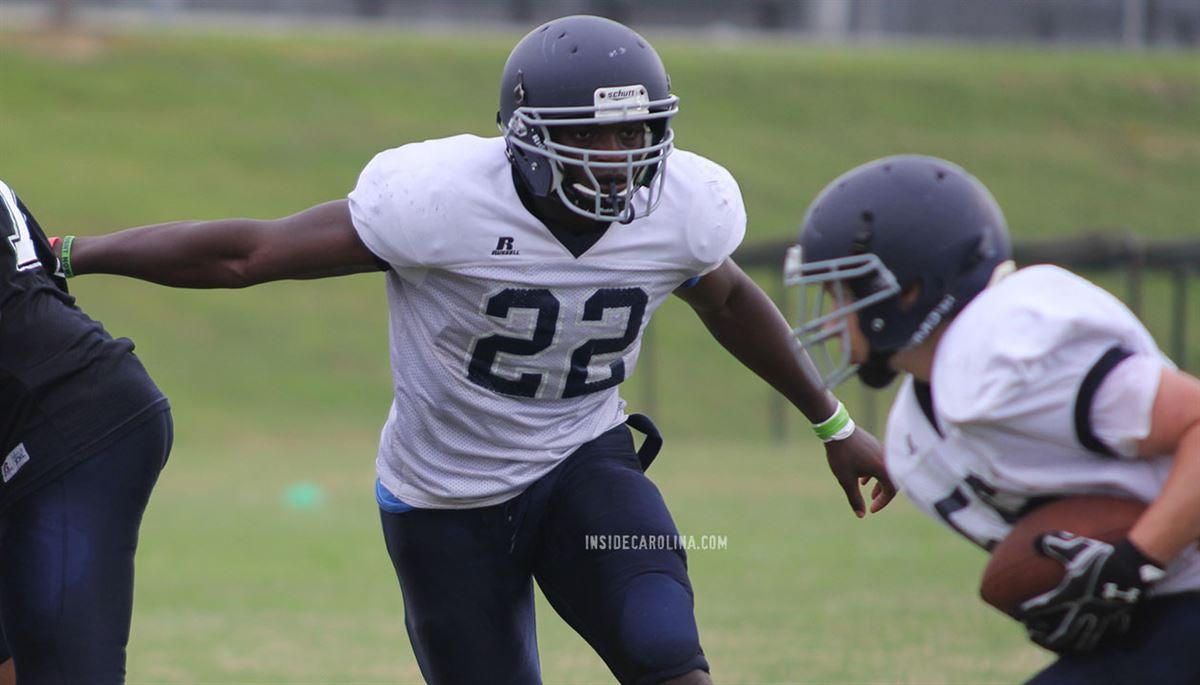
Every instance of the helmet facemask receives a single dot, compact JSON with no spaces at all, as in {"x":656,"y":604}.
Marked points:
{"x":607,"y":185}
{"x":830,"y":290}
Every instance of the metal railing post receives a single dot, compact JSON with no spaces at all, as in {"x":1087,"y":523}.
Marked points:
{"x":1179,"y":316}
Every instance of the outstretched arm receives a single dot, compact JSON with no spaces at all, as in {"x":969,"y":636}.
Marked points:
{"x":744,"y":320}
{"x":231,"y":253}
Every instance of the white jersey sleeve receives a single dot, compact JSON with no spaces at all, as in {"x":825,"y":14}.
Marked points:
{"x":377,"y":208}
{"x":716,"y":218}
{"x":1033,"y":354}
{"x":1120,"y":412}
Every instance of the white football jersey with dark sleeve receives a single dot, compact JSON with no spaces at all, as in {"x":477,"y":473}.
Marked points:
{"x":1040,"y":388}
{"x":506,"y":348}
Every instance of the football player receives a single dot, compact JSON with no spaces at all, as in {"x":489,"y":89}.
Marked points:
{"x":84,"y":433}
{"x":1019,"y":387}
{"x":521,"y":273}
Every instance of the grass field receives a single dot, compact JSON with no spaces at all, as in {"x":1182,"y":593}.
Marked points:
{"x":288,"y":383}
{"x":236,"y":587}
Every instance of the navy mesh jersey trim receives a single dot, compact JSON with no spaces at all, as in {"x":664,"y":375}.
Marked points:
{"x":1087,"y":394}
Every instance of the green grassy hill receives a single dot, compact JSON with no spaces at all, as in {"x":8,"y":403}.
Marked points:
{"x":289,"y":383}
{"x":265,"y":125}
{"x":116,"y":131}
{"x":124,"y":130}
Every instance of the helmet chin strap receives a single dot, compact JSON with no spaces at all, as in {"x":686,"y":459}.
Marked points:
{"x":875,"y":372}
{"x":630,"y":215}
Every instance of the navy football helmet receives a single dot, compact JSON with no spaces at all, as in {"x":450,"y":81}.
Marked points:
{"x":587,"y":71}
{"x":906,"y":242}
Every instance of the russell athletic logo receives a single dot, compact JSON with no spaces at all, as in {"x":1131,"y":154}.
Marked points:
{"x":504,"y":247}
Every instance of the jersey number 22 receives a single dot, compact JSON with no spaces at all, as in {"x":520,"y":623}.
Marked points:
{"x":480,"y":369}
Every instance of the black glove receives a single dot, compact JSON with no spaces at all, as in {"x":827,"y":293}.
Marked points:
{"x":1095,"y":599}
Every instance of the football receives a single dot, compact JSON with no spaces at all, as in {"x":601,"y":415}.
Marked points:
{"x":1017,"y":572}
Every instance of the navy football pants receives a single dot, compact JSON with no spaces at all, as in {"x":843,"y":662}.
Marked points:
{"x":466,"y":575}
{"x":66,"y":562}
{"x":1160,"y":649}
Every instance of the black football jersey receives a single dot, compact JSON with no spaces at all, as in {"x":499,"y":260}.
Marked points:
{"x":67,"y":388}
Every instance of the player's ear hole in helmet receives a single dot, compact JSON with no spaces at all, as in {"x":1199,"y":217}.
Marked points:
{"x":904,"y":242}
{"x":579,"y":74}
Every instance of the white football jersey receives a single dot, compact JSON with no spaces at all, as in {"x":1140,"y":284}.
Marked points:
{"x":1040,"y":388}
{"x":506,"y":349}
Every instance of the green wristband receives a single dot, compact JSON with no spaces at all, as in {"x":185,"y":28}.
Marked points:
{"x":837,"y":427}
{"x":64,"y":255}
